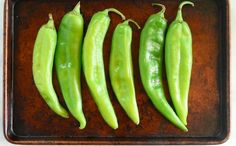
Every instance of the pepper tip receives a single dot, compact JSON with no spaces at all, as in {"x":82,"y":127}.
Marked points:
{"x":82,"y":125}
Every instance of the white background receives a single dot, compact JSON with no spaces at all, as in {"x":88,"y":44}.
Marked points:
{"x":232,"y":138}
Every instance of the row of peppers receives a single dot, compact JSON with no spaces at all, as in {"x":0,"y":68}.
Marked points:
{"x":71,"y":53}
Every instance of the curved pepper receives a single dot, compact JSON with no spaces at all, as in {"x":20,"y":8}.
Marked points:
{"x":151,"y":63}
{"x":178,"y":59}
{"x":68,"y":61}
{"x":93,"y":65}
{"x":43,"y":56}
{"x":121,"y":69}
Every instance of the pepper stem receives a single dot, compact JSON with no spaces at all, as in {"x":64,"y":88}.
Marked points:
{"x":184,"y":3}
{"x":77,"y":8}
{"x":117,"y":12}
{"x":50,"y":22}
{"x":179,"y":13}
{"x":134,"y":22}
{"x":161,"y":5}
{"x":50,"y":16}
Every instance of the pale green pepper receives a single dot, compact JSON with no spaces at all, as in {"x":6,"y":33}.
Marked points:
{"x":68,"y":62}
{"x":121,"y":69}
{"x":43,"y":56}
{"x":178,"y":59}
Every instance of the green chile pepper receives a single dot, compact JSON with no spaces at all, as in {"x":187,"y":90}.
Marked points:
{"x":121,"y":69}
{"x":93,"y":65}
{"x":151,"y":63}
{"x":68,"y":61}
{"x":43,"y":56}
{"x":178,"y":59}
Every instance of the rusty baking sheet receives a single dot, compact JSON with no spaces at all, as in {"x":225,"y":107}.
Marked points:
{"x":28,"y":120}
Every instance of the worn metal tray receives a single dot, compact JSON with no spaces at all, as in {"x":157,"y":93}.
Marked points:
{"x":28,"y":120}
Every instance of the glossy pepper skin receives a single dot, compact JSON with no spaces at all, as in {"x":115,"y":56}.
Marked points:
{"x":68,"y":62}
{"x":121,"y":69}
{"x":43,"y":56}
{"x":93,"y":65}
{"x":178,"y":60}
{"x":151,"y":63}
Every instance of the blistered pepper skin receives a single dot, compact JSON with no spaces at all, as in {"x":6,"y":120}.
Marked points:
{"x":43,"y":56}
{"x":93,"y":65}
{"x":68,"y":62}
{"x":121,"y":70}
{"x":151,"y":64}
{"x":178,"y":60}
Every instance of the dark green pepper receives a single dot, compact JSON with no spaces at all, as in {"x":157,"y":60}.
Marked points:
{"x":178,"y":59}
{"x":151,"y":63}
{"x":121,"y":69}
{"x":43,"y":56}
{"x":68,"y":61}
{"x":93,"y":65}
